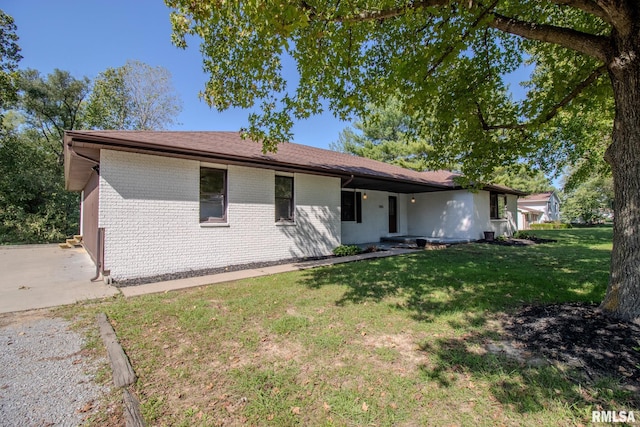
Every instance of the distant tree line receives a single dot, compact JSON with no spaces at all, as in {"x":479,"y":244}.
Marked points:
{"x":35,"y":110}
{"x":387,"y":135}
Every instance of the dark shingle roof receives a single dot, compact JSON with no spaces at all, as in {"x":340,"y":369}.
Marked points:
{"x":230,"y":147}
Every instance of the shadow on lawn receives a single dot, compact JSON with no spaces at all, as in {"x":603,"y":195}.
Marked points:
{"x":525,"y":389}
{"x":477,"y":282}
{"x":528,"y":376}
{"x":472,"y":277}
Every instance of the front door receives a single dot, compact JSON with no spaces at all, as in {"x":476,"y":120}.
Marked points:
{"x":393,"y":214}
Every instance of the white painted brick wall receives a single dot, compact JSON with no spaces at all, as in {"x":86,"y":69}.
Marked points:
{"x":375,"y":218}
{"x":149,"y":207}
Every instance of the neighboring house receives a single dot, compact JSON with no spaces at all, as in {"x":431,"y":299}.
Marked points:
{"x":538,"y":208}
{"x":166,"y":202}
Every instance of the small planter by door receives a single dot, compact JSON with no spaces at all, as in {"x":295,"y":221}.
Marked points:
{"x":421,"y":243}
{"x":489,"y":235}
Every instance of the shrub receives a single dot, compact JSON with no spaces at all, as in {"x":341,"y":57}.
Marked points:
{"x":346,"y":250}
{"x":550,"y":226}
{"x":523,"y":235}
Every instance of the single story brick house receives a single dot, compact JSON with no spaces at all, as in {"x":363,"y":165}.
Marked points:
{"x":166,"y":202}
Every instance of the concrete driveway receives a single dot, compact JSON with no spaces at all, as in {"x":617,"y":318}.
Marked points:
{"x":40,"y":276}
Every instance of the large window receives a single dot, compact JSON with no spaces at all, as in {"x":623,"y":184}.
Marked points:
{"x":351,"y":206}
{"x":213,"y":200}
{"x":284,"y":199}
{"x":498,"y":204}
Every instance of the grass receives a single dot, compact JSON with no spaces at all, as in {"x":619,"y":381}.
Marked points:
{"x":394,"y":341}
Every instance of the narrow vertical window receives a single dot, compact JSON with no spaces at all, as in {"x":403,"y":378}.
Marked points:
{"x":213,"y":200}
{"x":493,"y":203}
{"x":498,"y":205}
{"x":284,"y":198}
{"x":351,"y":207}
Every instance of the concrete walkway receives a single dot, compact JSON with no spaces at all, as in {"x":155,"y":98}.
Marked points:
{"x":191,"y":282}
{"x":41,"y":276}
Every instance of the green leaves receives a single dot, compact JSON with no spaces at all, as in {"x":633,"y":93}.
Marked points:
{"x":53,"y":103}
{"x":589,"y":202}
{"x":445,"y":64}
{"x":9,"y":58}
{"x":135,"y":96}
{"x":34,"y":207}
{"x":387,"y":134}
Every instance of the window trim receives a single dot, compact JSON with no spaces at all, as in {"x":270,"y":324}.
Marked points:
{"x":494,"y":206}
{"x":223,"y":219}
{"x":292,"y":205}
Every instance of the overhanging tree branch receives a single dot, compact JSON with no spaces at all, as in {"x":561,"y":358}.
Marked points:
{"x":588,"y":44}
{"x":588,"y":6}
{"x":544,"y":118}
{"x":451,"y":47}
{"x":378,"y":15}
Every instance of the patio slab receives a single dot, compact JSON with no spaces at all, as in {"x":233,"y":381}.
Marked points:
{"x":41,"y":276}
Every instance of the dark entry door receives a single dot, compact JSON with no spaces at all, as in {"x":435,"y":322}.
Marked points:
{"x":393,"y":214}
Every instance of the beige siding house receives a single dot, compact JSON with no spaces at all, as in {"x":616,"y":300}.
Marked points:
{"x":538,"y":208}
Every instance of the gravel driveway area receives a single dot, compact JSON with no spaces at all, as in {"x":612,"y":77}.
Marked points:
{"x":45,"y":377}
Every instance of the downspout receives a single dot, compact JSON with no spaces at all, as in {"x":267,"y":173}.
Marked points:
{"x":99,"y":255}
{"x":348,"y":182}
{"x":100,"y":240}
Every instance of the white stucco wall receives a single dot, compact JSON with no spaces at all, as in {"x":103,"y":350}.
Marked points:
{"x":375,"y":218}
{"x":501,"y":227}
{"x":149,"y":207}
{"x":459,"y":214}
{"x":446,"y":214}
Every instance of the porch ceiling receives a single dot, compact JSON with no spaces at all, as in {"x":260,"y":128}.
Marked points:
{"x":362,"y":183}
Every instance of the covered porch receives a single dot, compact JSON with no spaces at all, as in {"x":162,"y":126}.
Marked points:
{"x":432,"y":208}
{"x":376,"y":211}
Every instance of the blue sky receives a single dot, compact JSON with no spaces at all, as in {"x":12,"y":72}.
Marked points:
{"x":86,"y":37}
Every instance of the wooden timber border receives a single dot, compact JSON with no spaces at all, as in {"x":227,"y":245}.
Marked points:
{"x":123,"y":374}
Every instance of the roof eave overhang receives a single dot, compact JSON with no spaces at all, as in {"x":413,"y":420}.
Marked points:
{"x":82,"y":153}
{"x":94,"y":143}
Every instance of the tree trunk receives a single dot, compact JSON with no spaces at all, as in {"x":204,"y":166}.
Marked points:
{"x":622,"y":299}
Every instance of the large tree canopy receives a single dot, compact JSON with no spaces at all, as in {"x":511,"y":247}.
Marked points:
{"x":9,"y":58}
{"x":445,"y":59}
{"x":134,"y":96}
{"x":386,"y":135}
{"x":53,"y":104}
{"x":590,"y":201}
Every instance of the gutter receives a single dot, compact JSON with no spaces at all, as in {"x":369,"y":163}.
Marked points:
{"x":89,"y":159}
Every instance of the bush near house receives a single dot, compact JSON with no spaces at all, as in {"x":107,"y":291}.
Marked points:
{"x":550,"y":226}
{"x":346,"y":250}
{"x":523,"y":235}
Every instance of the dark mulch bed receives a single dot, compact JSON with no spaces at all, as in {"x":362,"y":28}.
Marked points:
{"x":518,"y":242}
{"x":219,"y":270}
{"x":580,"y":336}
{"x":208,"y":271}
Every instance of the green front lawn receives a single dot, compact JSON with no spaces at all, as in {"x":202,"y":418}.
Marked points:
{"x":394,"y":341}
